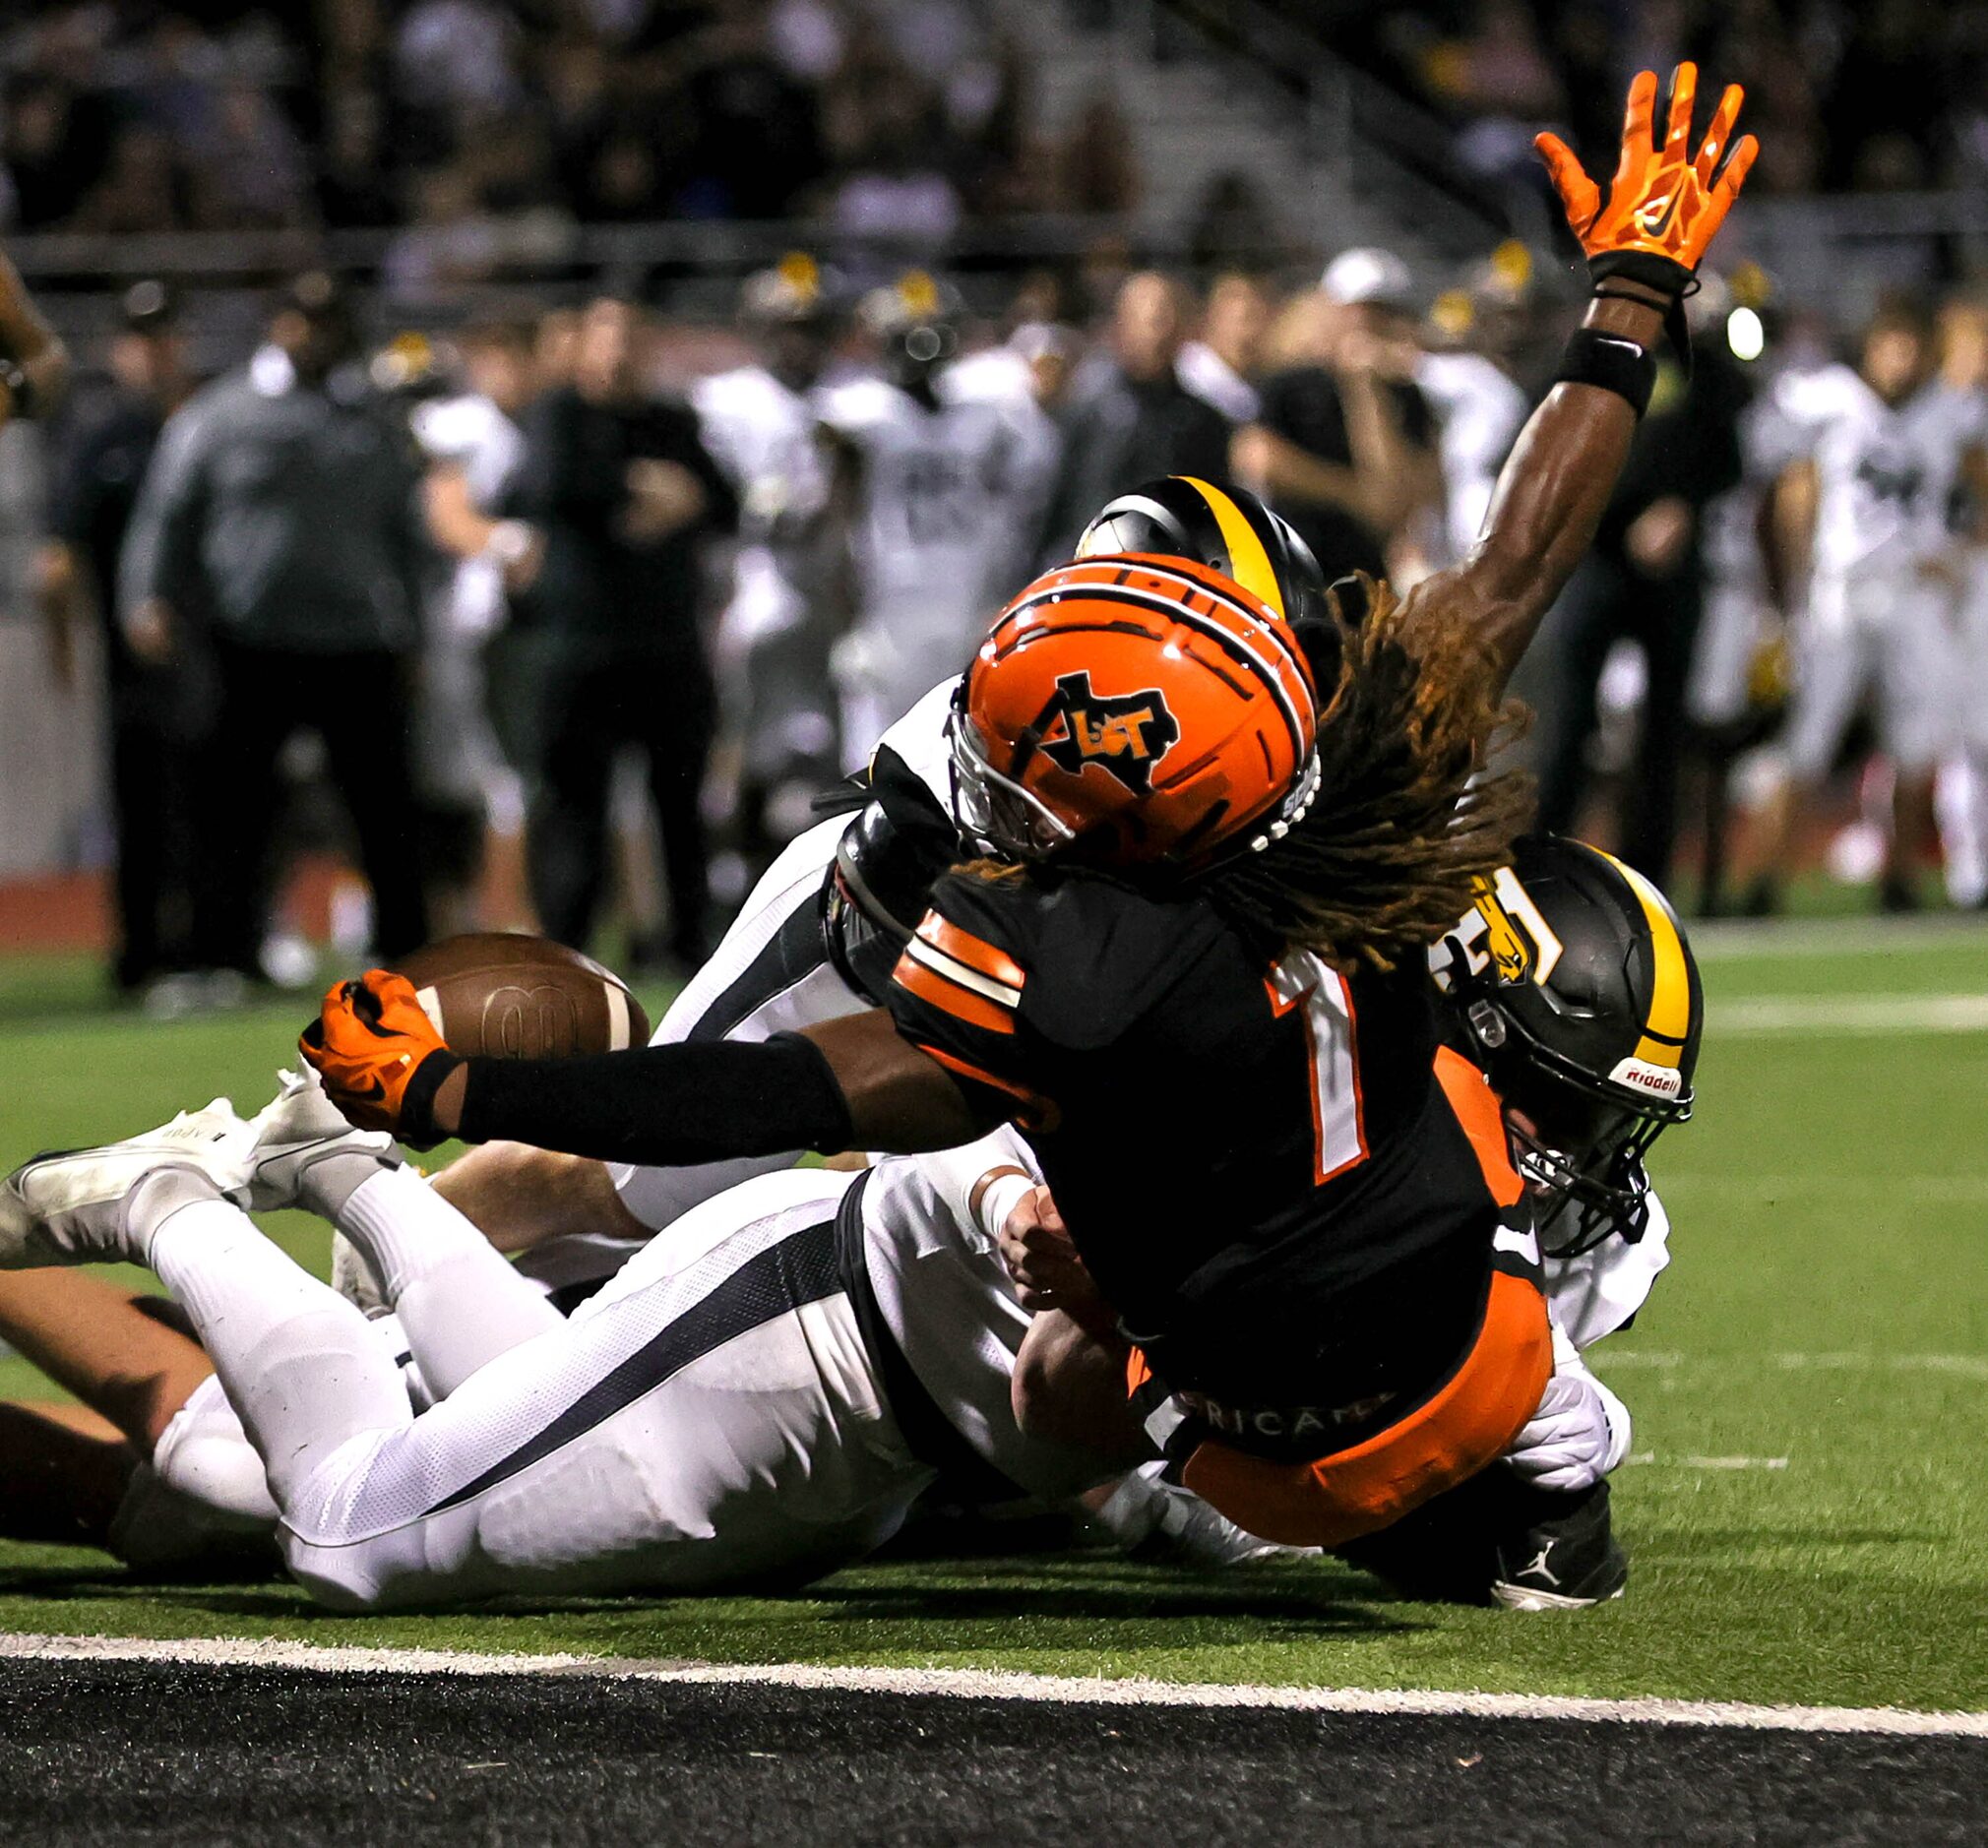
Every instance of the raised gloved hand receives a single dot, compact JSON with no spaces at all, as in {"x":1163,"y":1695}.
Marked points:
{"x":1663,"y":207}
{"x":379,"y":1054}
{"x":1578,"y":1434}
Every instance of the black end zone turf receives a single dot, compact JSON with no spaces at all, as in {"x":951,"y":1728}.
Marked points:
{"x":116,"y":1752}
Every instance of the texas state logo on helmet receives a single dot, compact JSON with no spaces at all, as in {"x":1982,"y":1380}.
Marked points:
{"x":1134,"y":712}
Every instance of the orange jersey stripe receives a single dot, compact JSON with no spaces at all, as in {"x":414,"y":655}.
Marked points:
{"x":963,"y":1004}
{"x":1477,"y":1110}
{"x":976,"y":953}
{"x":1036,"y":1113}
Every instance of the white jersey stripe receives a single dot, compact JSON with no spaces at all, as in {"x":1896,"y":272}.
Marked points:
{"x":956,"y":971}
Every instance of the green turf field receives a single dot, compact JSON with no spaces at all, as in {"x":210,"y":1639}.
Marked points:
{"x":1806,"y":1504}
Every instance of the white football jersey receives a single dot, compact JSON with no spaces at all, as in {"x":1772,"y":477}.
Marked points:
{"x":919,"y":738}
{"x":1768,"y":440}
{"x":946,"y":1297}
{"x":471,"y":433}
{"x":762,"y":434}
{"x":951,"y":501}
{"x":1594,"y":1294}
{"x":1479,"y":412}
{"x":1886,"y":474}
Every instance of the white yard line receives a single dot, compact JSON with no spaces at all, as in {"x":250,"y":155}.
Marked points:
{"x":1721,"y":942}
{"x":1650,"y":1457}
{"x":993,"y":1685}
{"x":1954,"y":1189}
{"x":1953,"y":1366}
{"x":269,"y":1652}
{"x":1762,"y":1015}
{"x":984,"y":1684}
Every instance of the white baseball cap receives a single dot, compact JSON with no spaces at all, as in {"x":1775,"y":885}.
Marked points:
{"x":1367,"y":272}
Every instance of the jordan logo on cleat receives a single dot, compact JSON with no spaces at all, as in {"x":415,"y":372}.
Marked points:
{"x":1535,"y":1568}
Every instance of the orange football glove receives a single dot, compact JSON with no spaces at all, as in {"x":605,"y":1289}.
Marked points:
{"x":379,"y":1054}
{"x":1663,"y":207}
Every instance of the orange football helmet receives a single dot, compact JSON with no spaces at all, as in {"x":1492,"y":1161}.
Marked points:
{"x":1134,"y":712}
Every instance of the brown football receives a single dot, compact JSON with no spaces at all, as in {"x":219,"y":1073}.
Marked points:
{"x":509,"y":996}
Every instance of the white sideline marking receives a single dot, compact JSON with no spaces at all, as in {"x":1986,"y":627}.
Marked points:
{"x":271,"y":1652}
{"x":1766,"y":1015}
{"x":1955,"y":1189}
{"x":1955,"y":1366}
{"x":1960,"y":1366}
{"x":1735,"y":941}
{"x":1707,"y":1462}
{"x":1003,"y":1684}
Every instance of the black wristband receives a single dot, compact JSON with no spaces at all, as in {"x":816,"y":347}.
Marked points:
{"x":21,"y":400}
{"x":1663,"y":276}
{"x":1612,"y":361}
{"x":417,"y":1127}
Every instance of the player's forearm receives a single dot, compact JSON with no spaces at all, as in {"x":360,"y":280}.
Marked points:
{"x":32,"y":344}
{"x":1286,"y":469}
{"x":1069,"y":1388}
{"x":662,"y":1106}
{"x":1553,"y":491}
{"x":453,"y":520}
{"x":58,"y":593}
{"x":1394,"y":475}
{"x":1787,"y":531}
{"x":849,"y":1084}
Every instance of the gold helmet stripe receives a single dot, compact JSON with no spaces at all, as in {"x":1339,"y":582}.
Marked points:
{"x":1250,"y":565}
{"x":1669,"y":1023}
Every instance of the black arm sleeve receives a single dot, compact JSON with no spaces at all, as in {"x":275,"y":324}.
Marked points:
{"x":663,"y":1106}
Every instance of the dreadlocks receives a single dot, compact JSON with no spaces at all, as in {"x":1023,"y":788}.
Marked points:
{"x":1405,"y":817}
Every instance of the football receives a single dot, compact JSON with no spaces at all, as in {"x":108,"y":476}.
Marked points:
{"x":506,"y":994}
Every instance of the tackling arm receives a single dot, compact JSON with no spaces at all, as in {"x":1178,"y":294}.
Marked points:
{"x":1643,"y":246}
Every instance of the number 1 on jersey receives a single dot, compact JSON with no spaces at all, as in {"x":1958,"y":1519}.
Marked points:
{"x":1305,"y":983}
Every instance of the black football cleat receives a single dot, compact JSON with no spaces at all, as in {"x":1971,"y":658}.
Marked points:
{"x":1565,"y":1558}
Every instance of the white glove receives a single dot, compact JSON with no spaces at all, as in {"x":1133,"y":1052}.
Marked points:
{"x":1578,"y":1434}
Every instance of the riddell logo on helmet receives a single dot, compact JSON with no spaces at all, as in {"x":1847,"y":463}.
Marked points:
{"x":1654,"y":1079}
{"x":1126,"y":734}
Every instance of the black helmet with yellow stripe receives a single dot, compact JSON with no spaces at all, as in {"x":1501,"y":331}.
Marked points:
{"x":1573,"y":987}
{"x":1217,"y":524}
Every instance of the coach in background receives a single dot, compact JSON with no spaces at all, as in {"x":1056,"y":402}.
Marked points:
{"x":1344,"y":444}
{"x":276,"y":543}
{"x":615,"y":501}
{"x":1129,"y":417}
{"x":96,"y":489}
{"x":1642,"y":582}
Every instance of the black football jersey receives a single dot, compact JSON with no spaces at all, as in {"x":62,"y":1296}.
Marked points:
{"x":1251,"y":1151}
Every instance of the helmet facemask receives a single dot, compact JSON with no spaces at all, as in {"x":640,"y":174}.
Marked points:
{"x":993,"y":809}
{"x":1580,"y":1154}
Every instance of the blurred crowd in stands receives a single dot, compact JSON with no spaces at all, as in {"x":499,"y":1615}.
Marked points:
{"x":572,"y":605}
{"x":1845,"y":95}
{"x":474,"y":121}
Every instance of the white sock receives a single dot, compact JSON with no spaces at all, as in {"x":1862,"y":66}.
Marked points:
{"x":300,"y":1366}
{"x":460,"y":1301}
